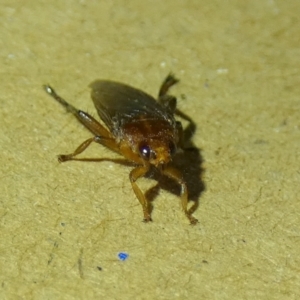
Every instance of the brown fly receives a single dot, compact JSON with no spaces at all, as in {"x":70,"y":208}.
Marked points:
{"x":139,"y":128}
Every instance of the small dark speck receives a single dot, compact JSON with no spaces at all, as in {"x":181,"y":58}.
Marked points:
{"x":260,"y":142}
{"x":242,"y":240}
{"x":99,"y":268}
{"x":204,"y":261}
{"x":284,"y":122}
{"x":217,"y":152}
{"x":63,"y":224}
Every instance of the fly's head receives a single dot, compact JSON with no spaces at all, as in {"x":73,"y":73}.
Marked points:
{"x":150,"y":141}
{"x":157,"y":152}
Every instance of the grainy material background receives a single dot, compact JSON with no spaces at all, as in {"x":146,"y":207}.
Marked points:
{"x":239,"y":64}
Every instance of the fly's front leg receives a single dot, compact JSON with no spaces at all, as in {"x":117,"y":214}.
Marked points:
{"x":108,"y":142}
{"x":166,"y":100}
{"x":190,"y":129}
{"x":134,"y":175}
{"x":176,"y":175}
{"x":168,"y":82}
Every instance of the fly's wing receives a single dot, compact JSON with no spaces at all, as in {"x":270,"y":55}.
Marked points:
{"x":119,"y":103}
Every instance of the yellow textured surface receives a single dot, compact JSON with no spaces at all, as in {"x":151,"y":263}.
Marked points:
{"x":239,"y":64}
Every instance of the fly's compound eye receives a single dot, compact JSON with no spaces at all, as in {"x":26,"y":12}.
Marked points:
{"x":145,"y":151}
{"x":172,"y":148}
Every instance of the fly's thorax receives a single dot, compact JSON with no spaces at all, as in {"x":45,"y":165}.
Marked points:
{"x":154,"y":141}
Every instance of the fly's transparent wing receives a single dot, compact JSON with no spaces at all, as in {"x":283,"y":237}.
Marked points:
{"x":119,"y":103}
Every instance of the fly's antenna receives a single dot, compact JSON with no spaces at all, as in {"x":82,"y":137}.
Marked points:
{"x":50,"y":91}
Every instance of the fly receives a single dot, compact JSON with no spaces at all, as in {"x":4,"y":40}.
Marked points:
{"x":138,"y":127}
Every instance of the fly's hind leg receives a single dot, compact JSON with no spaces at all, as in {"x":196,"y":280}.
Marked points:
{"x":134,"y":175}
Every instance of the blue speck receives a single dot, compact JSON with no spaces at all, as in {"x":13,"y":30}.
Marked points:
{"x":122,"y":256}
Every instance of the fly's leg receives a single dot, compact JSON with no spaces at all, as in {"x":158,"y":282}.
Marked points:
{"x":108,"y":142}
{"x":188,"y":132}
{"x":134,"y":175}
{"x":87,"y":120}
{"x":176,"y":175}
{"x":166,"y":100}
{"x":168,"y":82}
{"x":170,"y":102}
{"x":181,"y":141}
